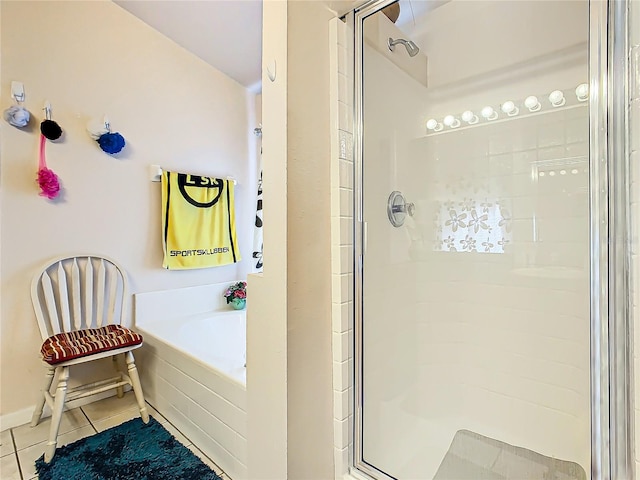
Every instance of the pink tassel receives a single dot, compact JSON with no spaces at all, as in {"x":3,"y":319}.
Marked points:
{"x":47,"y":179}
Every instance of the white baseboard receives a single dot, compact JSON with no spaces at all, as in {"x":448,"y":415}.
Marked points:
{"x":20,"y":417}
{"x":15,"y":419}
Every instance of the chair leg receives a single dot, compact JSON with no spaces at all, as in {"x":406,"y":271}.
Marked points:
{"x":61,"y":393}
{"x":48,"y":380}
{"x":119,"y":390}
{"x":137,"y":388}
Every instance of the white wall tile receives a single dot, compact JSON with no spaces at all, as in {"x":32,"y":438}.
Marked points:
{"x":350,"y":313}
{"x":341,"y":404}
{"x":634,"y":167}
{"x":634,"y":128}
{"x":336,"y":260}
{"x":345,"y":287}
{"x":346,"y":145}
{"x":346,"y":231}
{"x":336,"y":286}
{"x":341,"y":459}
{"x":634,"y":70}
{"x":342,"y":33}
{"x":637,"y":431}
{"x":634,"y":16}
{"x":340,"y":317}
{"x":340,"y":346}
{"x":346,"y":259}
{"x":341,"y":433}
{"x":346,"y":202}
{"x":346,"y":174}
{"x":343,"y":60}
{"x":345,"y":117}
{"x":196,"y":408}
{"x":336,"y":208}
{"x":350,"y":344}
{"x":198,"y":371}
{"x":341,"y":377}
{"x":336,"y":318}
{"x":336,"y":232}
{"x":342,"y":258}
{"x":343,"y":142}
{"x":343,"y":89}
{"x":634,"y":121}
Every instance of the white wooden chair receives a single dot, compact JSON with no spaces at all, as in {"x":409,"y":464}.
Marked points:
{"x":80,"y":303}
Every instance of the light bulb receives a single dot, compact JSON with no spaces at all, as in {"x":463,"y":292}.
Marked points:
{"x":489,"y":113}
{"x":434,"y":125}
{"x":469,"y":117}
{"x":451,"y":121}
{"x":532,"y":103}
{"x":509,"y":108}
{"x":557,"y":98}
{"x":582,"y":92}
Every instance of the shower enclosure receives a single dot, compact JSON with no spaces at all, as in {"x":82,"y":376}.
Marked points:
{"x":491,"y":307}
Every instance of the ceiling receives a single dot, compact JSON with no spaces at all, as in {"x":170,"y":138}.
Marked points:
{"x":226,"y":34}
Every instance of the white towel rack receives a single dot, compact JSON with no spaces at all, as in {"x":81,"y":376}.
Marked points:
{"x":156,"y":174}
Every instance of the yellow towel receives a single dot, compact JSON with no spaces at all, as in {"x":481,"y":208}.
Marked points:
{"x":198,"y":222}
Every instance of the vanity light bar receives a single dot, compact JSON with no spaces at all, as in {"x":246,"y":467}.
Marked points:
{"x":508,"y":109}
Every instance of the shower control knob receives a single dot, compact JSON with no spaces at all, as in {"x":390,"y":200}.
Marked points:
{"x":398,"y":209}
{"x":411,"y":209}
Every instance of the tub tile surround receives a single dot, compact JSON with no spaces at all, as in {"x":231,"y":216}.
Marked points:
{"x":21,"y":446}
{"x":170,"y":304}
{"x":204,"y":403}
{"x":342,"y":184}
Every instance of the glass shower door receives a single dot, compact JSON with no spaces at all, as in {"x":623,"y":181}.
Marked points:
{"x":475,"y":264}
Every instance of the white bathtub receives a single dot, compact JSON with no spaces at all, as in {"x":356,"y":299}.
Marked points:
{"x":217,"y":339}
{"x":192,"y":368}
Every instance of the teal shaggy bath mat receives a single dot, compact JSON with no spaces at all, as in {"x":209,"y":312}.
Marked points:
{"x":130,"y":451}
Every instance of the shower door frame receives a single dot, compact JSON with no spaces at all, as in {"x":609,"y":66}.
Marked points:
{"x":612,"y":431}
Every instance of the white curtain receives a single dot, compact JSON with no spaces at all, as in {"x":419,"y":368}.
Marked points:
{"x":257,"y":231}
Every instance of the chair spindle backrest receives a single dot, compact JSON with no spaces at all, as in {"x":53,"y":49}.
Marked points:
{"x":72,"y":293}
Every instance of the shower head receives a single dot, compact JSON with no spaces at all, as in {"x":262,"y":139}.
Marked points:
{"x":412,"y":48}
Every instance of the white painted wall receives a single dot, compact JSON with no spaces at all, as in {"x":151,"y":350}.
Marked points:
{"x":267,"y":307}
{"x":88,"y":59}
{"x":309,"y":377}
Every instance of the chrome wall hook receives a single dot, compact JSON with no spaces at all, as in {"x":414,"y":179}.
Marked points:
{"x":47,"y":110}
{"x":17,"y":91}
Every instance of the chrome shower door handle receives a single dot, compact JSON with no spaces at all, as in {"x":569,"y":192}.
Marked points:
{"x":398,"y":209}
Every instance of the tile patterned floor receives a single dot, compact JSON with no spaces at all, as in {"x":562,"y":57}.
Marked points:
{"x":21,"y":446}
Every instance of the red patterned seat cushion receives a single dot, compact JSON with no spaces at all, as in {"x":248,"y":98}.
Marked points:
{"x":80,"y":343}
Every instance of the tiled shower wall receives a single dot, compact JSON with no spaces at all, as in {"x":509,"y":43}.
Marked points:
{"x":634,"y":149}
{"x":341,"y":66}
